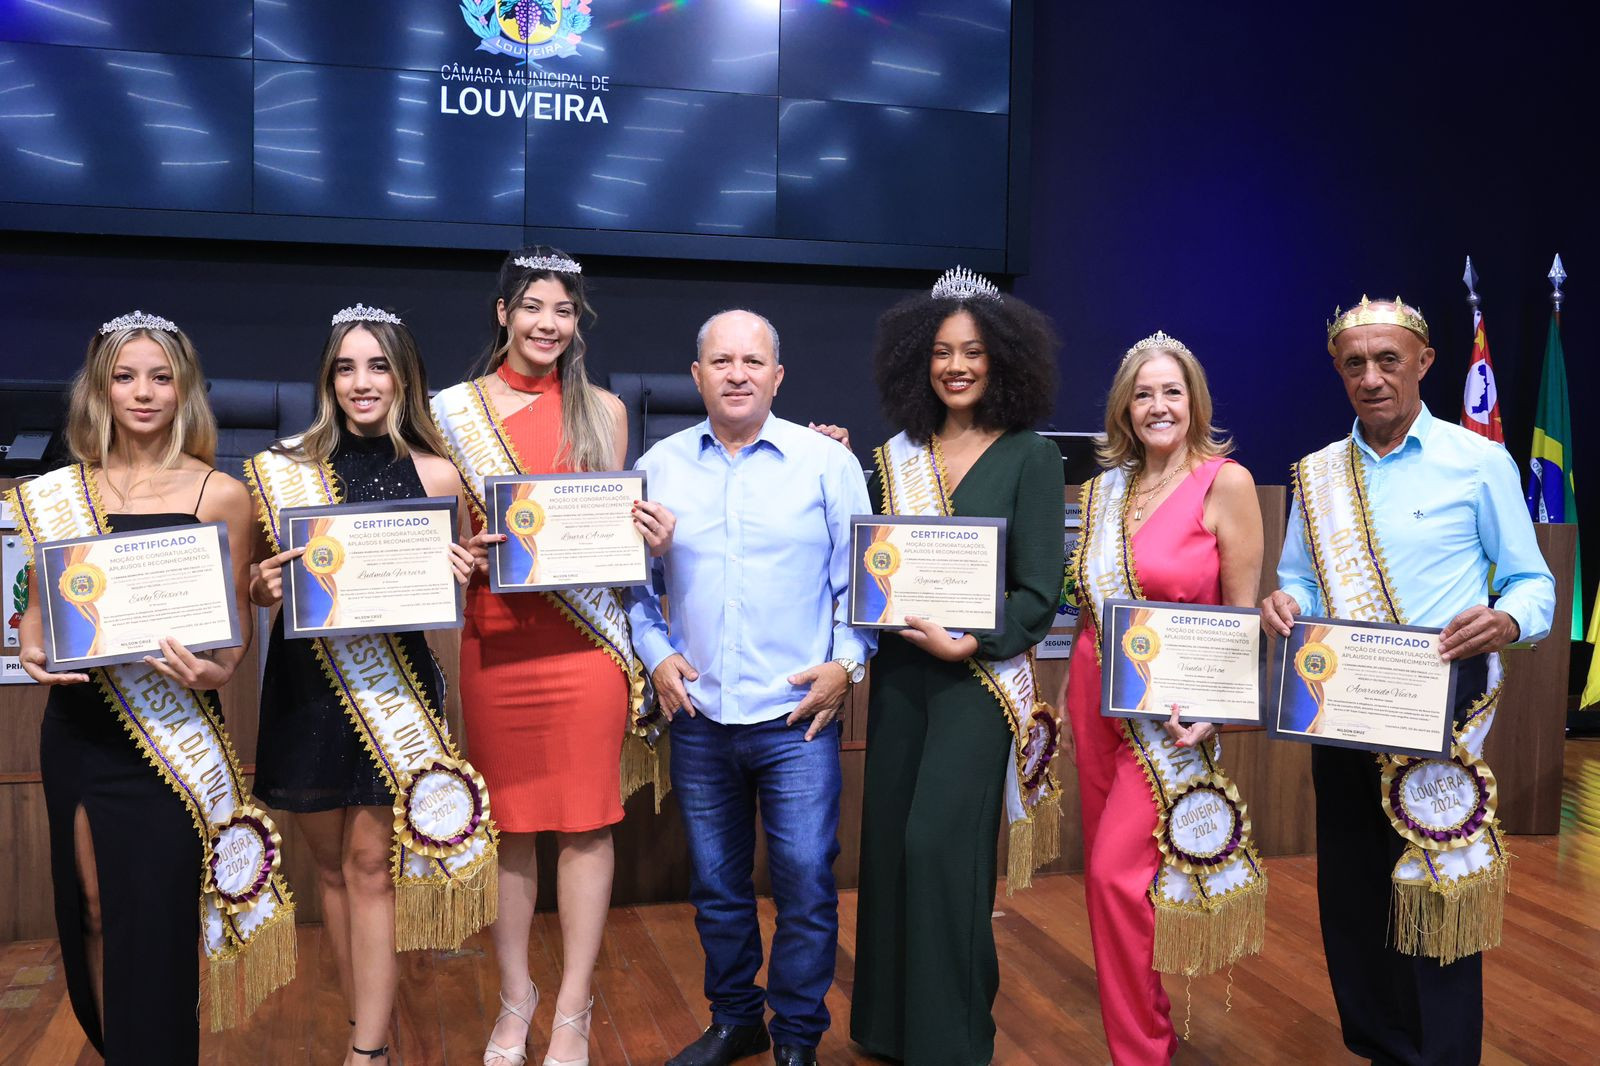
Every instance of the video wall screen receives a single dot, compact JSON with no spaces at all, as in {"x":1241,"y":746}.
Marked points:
{"x":872,"y":132}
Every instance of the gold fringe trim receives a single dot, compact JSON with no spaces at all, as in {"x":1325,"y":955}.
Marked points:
{"x":1034,"y":841}
{"x":439,"y":913}
{"x":1451,"y":921}
{"x":239,"y":980}
{"x":643,"y":765}
{"x":1195,"y":941}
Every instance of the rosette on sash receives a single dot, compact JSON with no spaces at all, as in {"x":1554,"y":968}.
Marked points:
{"x":480,"y":447}
{"x":1210,"y":894}
{"x":1450,"y":883}
{"x":445,"y":873}
{"x":246,"y":910}
{"x":913,"y":482}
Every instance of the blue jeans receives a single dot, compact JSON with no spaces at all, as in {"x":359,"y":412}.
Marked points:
{"x":721,"y":773}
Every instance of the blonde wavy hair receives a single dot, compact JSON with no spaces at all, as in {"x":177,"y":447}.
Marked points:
{"x":91,"y":428}
{"x":1121,"y":446}
{"x":409,"y":424}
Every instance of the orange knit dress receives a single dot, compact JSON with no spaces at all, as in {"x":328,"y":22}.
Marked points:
{"x":545,"y":709}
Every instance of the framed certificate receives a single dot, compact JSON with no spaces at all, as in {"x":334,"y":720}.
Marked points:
{"x":1206,"y":659}
{"x":1362,"y":685}
{"x":110,"y":599}
{"x":380,"y":567}
{"x":950,"y":571}
{"x":565,"y":531}
{"x":13,"y":597}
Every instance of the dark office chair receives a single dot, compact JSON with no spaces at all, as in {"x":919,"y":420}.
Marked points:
{"x":659,"y":405}
{"x":253,"y":414}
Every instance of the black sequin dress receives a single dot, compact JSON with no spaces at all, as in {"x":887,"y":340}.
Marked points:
{"x":308,"y":756}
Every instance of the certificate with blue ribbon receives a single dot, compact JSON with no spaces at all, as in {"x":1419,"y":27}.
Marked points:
{"x":112,"y":598}
{"x":381,"y":567}
{"x":950,"y":571}
{"x":1368,"y":685}
{"x":1206,"y":660}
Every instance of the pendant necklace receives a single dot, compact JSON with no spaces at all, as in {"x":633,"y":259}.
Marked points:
{"x":1138,"y":512}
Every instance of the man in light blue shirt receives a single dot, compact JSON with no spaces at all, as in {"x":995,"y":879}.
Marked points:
{"x":1445,"y":507}
{"x":759,"y":658}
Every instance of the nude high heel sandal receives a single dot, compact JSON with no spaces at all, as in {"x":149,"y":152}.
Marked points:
{"x":516,"y":1056}
{"x":582,"y":1016}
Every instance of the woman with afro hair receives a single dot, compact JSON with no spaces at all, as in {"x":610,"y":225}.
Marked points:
{"x":954,"y":738}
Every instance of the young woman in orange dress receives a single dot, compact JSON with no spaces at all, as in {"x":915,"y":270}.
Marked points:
{"x":548,"y":690}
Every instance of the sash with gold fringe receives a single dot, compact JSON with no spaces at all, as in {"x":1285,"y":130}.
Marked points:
{"x":1210,"y":902}
{"x":246,"y":911}
{"x":481,"y":447}
{"x":913,"y":483}
{"x":1450,"y":883}
{"x":445,"y":873}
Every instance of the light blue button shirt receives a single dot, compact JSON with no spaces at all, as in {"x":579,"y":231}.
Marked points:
{"x":1446,"y":506}
{"x":760,"y":553}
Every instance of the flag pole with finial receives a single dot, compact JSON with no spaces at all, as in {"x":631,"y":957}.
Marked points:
{"x":1480,"y":398}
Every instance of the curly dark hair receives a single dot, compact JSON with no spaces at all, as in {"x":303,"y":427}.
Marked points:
{"x":1021,"y":345}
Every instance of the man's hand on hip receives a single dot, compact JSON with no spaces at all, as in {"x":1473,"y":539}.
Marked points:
{"x":1477,"y":630}
{"x":829,"y":683}
{"x":669,"y":678}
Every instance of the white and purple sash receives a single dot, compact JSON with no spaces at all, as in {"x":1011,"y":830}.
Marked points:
{"x":1210,"y":893}
{"x":1450,"y":883}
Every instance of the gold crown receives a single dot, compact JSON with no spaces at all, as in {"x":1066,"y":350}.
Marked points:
{"x":1394,"y":312}
{"x":1159,"y":340}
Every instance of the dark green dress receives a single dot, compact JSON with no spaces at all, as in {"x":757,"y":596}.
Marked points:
{"x":937,"y":744}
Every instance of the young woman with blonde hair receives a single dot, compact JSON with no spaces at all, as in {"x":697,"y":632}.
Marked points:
{"x":127,"y":842}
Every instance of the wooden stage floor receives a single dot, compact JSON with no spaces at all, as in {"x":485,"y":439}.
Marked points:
{"x":1542,"y":986}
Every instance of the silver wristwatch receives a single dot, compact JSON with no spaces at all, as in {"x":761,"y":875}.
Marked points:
{"x":853,"y":671}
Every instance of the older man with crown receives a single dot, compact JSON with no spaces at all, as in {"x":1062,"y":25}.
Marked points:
{"x":1404,"y":521}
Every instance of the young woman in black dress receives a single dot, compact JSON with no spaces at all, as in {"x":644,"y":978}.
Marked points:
{"x":372,"y":427}
{"x":125,"y":856}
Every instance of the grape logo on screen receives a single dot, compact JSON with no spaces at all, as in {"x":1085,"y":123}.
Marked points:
{"x":528,"y":29}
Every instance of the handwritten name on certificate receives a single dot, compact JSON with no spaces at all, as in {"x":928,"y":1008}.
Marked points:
{"x":950,"y":571}
{"x":1363,"y":685}
{"x":110,"y":599}
{"x":379,"y":567}
{"x":1204,"y":659}
{"x":566,"y":531}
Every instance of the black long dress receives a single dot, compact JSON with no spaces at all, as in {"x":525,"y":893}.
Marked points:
{"x":148,"y":857}
{"x":308,"y":756}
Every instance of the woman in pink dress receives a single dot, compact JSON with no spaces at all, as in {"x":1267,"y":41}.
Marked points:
{"x":1193,"y":524}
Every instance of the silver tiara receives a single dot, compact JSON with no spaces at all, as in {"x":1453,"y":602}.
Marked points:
{"x":1160,"y":340}
{"x":558,"y":263}
{"x":363,"y":313}
{"x":138,"y":320}
{"x":959,"y":283}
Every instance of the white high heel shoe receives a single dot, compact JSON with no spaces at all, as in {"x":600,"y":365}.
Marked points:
{"x":562,"y":1019}
{"x":517,"y":1056}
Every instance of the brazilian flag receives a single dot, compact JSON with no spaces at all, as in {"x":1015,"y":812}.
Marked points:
{"x":1550,"y":491}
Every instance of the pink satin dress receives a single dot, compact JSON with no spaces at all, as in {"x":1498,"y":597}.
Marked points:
{"x":1176,"y":559}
